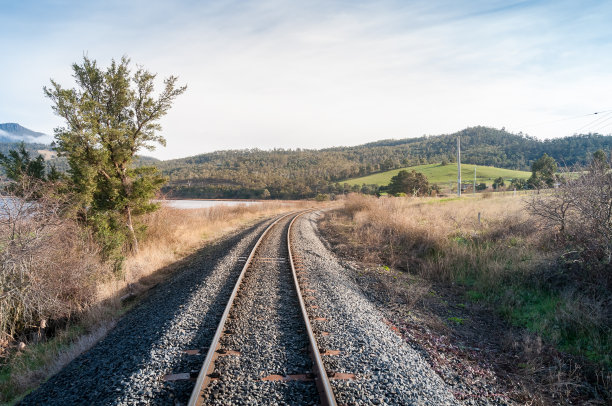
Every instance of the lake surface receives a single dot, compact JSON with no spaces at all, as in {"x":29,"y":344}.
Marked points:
{"x":202,"y":204}
{"x":9,"y":204}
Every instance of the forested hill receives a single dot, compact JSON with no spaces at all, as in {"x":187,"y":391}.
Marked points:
{"x":304,"y":173}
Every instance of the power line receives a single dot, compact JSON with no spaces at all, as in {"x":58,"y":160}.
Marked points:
{"x":593,"y":122}
{"x":567,"y":118}
{"x":606,"y":125}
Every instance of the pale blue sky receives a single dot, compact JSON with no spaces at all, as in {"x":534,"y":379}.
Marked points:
{"x":323,"y":73}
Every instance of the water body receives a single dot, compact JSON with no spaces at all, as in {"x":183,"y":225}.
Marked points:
{"x":11,"y":205}
{"x":202,"y":204}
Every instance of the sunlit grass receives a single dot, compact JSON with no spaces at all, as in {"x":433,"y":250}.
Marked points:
{"x":445,"y":174}
{"x":500,"y":259}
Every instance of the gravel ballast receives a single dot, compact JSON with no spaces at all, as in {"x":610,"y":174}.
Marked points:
{"x":388,"y":370}
{"x":128,"y":365}
{"x":267,"y":329}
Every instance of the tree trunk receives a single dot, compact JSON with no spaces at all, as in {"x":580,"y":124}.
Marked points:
{"x":131,"y":228}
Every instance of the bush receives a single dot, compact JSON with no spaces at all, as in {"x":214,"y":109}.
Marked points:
{"x":499,"y":182}
{"x":48,"y":268}
{"x":579,"y":212}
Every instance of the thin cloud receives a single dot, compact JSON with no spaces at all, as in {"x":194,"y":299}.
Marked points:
{"x":278,"y":74}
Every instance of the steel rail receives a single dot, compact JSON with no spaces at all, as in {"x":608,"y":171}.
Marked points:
{"x":207,"y":368}
{"x":323,"y":385}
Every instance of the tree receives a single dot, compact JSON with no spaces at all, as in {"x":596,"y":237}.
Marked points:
{"x":19,"y":163}
{"x":518,"y":184}
{"x":599,"y":161}
{"x":109,"y":118}
{"x":411,"y":183}
{"x":580,"y":211}
{"x":499,"y":182}
{"x":25,"y":173}
{"x":543,"y":172}
{"x":481,"y":186}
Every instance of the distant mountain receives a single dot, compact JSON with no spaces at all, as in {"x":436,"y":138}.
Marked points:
{"x":13,"y":132}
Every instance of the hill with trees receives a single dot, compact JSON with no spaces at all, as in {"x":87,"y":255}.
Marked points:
{"x":302,"y":173}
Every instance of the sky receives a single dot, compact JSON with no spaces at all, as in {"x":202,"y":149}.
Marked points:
{"x":314,"y":74}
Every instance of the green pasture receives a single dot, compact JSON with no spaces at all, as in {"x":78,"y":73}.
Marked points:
{"x":436,"y":173}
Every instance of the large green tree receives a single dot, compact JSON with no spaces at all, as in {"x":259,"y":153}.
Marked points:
{"x":110,"y":116}
{"x":543,"y":172}
{"x":410,"y":183}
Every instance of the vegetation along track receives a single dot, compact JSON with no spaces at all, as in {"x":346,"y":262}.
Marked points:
{"x":154,"y":354}
{"x":260,"y":348}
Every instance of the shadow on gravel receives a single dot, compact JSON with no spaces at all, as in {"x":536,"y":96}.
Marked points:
{"x":102,"y":374}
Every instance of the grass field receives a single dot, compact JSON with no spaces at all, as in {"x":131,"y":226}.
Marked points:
{"x":441,"y":175}
{"x":489,"y":250}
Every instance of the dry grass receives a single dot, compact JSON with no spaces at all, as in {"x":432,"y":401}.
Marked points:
{"x":506,"y":260}
{"x":172,"y":234}
{"x":443,"y":239}
{"x":49,"y":269}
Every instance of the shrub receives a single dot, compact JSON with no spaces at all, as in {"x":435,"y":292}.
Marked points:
{"x":48,"y":267}
{"x":579,"y":211}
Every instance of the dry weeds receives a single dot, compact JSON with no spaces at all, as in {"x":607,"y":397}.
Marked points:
{"x":442,"y":239}
{"x":488,"y":249}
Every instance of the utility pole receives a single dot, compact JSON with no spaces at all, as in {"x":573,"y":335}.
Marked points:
{"x":459,"y":166}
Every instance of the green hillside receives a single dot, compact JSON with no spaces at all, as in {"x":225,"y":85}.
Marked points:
{"x":300,"y":173}
{"x":436,"y":173}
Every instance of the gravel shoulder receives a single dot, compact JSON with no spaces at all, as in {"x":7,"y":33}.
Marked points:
{"x":128,"y":365}
{"x":388,"y":370}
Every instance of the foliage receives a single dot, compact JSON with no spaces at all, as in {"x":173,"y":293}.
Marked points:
{"x":499,"y":182}
{"x":599,"y":161}
{"x":18,"y":163}
{"x":519,"y":184}
{"x":481,"y":186}
{"x":109,"y":117}
{"x":543,"y":172}
{"x":25,"y":172}
{"x":305,"y":173}
{"x":411,"y":183}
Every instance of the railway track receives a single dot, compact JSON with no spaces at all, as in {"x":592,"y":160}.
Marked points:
{"x":264,"y":348}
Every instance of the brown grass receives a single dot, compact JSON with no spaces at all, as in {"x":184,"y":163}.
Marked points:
{"x":172,"y":234}
{"x":506,"y":260}
{"x":442,"y":239}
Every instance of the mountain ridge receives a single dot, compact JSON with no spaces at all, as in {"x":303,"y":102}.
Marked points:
{"x":14,"y":132}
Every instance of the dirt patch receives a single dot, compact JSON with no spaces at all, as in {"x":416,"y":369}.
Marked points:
{"x":481,"y":357}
